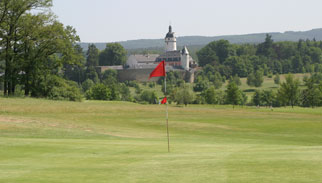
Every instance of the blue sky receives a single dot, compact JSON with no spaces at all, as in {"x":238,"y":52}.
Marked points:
{"x":120,"y":20}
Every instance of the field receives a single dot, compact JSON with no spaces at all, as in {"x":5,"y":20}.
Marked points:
{"x":45,"y":141}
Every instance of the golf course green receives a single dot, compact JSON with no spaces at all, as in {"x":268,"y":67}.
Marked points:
{"x":44,"y":141}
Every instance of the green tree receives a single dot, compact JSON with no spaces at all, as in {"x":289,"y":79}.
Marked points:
{"x":210,"y":96}
{"x":267,"y":98}
{"x":259,"y":78}
{"x":92,"y":56}
{"x":312,"y":95}
{"x":235,"y":79}
{"x":251,"y":79}
{"x":215,"y":53}
{"x":125,"y":93}
{"x":87,"y":84}
{"x":46,"y":45}
{"x":277,"y":79}
{"x":256,"y":79}
{"x":75,"y":71}
{"x":201,"y":84}
{"x":109,"y":77}
{"x":257,"y":98}
{"x":113,"y":54}
{"x":266,"y":48}
{"x":289,"y":90}
{"x":233,"y":94}
{"x":184,"y":96}
{"x":11,"y":23}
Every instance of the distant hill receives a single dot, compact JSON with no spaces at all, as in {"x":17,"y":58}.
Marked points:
{"x":203,"y":40}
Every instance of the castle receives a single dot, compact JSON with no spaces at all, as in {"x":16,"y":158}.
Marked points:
{"x":175,"y":59}
{"x":139,"y":66}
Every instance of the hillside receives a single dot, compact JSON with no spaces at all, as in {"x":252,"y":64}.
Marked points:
{"x":203,"y":40}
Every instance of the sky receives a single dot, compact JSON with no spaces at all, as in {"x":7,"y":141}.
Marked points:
{"x":121,"y":20}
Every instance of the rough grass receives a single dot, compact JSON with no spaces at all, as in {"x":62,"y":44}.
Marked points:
{"x":65,"y":142}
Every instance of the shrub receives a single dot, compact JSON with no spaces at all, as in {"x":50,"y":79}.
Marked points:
{"x":149,"y":97}
{"x":99,"y":92}
{"x":61,"y":89}
{"x":87,"y":84}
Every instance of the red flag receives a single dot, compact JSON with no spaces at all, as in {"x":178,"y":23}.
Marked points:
{"x":158,"y":71}
{"x":164,"y":101}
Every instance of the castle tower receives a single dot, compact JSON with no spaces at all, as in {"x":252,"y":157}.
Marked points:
{"x":170,"y":41}
{"x":185,"y":58}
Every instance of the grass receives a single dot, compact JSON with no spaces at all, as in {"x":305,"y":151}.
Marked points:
{"x":65,"y":142}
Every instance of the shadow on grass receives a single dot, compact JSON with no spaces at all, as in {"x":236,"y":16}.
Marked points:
{"x":249,"y":90}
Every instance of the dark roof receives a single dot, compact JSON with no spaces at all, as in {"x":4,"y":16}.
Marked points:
{"x":170,"y":34}
{"x":170,"y":56}
{"x":176,"y":53}
{"x":145,"y":57}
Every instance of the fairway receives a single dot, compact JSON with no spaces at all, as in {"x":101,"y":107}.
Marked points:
{"x":45,"y":141}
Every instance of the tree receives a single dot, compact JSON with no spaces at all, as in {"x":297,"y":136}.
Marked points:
{"x":113,"y":54}
{"x":184,"y":96}
{"x":210,"y":96}
{"x":201,"y":84}
{"x":257,"y":98}
{"x":235,"y":79}
{"x":266,"y":48}
{"x":215,"y":53}
{"x":125,"y":93}
{"x":11,"y":15}
{"x":259,"y":78}
{"x":312,"y":95}
{"x":251,"y":79}
{"x":87,"y":84}
{"x":289,"y":90}
{"x":109,"y":77}
{"x":92,"y":56}
{"x":267,"y":98}
{"x":76,"y":71}
{"x":277,"y":79}
{"x":255,"y":79}
{"x":233,"y":94}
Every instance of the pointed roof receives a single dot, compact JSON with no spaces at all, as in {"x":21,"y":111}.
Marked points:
{"x":170,"y":34}
{"x":185,"y":50}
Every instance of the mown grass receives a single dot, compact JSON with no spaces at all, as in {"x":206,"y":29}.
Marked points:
{"x":93,"y":141}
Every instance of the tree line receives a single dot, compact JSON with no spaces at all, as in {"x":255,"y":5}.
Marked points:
{"x":271,"y":58}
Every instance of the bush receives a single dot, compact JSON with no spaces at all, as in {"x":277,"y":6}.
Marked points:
{"x":125,"y":93}
{"x":149,"y":97}
{"x":87,"y":84}
{"x":152,"y":84}
{"x":61,"y":89}
{"x":99,"y":92}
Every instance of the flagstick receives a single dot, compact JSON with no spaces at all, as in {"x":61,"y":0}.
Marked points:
{"x":165,"y":91}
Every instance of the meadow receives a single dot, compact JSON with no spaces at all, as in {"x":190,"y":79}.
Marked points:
{"x":45,"y":141}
